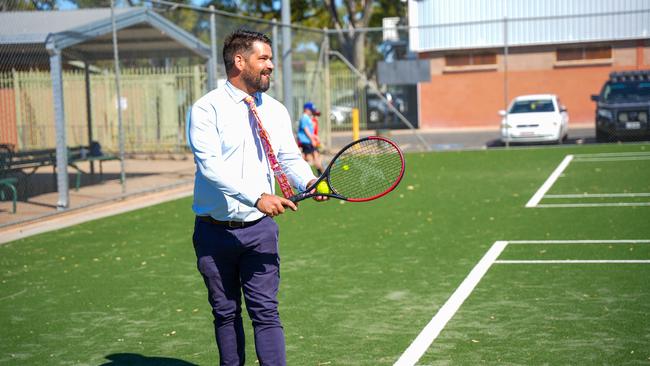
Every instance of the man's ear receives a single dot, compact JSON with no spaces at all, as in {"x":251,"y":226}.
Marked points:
{"x":240,"y":62}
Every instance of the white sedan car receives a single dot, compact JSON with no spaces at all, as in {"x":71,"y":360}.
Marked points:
{"x":535,"y":118}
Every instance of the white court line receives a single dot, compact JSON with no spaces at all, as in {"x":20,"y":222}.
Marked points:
{"x":549,"y":182}
{"x":597,"y":155}
{"x":597,"y":195}
{"x":586,"y":241}
{"x":431,"y":331}
{"x":612,"y":204}
{"x":620,"y":158}
{"x":572,"y":261}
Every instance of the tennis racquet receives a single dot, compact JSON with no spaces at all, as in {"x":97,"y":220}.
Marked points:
{"x":363,"y":170}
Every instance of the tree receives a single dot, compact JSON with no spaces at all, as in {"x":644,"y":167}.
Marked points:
{"x":21,"y":5}
{"x":351,"y":17}
{"x":347,"y":20}
{"x":301,"y":10}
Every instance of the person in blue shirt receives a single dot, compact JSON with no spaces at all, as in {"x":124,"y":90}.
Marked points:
{"x":235,"y":238}
{"x":308,"y":138}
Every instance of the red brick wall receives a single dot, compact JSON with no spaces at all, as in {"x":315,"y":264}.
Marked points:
{"x":473,"y":98}
{"x":8,"y":132}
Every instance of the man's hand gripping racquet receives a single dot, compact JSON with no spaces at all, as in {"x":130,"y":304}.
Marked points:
{"x":363,"y":170}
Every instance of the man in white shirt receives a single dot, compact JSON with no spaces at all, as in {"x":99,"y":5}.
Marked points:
{"x":235,"y":238}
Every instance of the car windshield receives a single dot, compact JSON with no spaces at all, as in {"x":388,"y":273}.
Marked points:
{"x":532,"y":106}
{"x":631,"y":90}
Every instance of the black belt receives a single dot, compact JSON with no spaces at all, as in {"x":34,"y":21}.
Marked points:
{"x":229,"y":224}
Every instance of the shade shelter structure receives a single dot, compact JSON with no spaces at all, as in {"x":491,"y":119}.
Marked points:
{"x":53,"y":39}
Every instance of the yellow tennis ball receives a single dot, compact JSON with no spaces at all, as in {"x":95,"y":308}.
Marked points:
{"x":346,"y":167}
{"x":323,"y":188}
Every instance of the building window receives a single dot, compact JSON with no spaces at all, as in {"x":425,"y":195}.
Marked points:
{"x":584,"y":53}
{"x":471,"y":59}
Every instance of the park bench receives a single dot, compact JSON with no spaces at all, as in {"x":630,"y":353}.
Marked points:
{"x":26,"y":162}
{"x":29,"y":161}
{"x":82,"y":153}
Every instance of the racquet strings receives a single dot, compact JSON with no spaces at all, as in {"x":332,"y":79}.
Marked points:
{"x":366,"y":169}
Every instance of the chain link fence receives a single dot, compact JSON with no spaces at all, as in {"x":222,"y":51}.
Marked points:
{"x":170,"y":55}
{"x":58,"y":87}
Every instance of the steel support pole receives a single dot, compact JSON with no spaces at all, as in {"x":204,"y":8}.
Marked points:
{"x":212,"y":63}
{"x":328,"y":96}
{"x":56,"y":64}
{"x":505,"y":68}
{"x":287,"y":74}
{"x":276,"y":53}
{"x":89,"y":111}
{"x":120,"y":125}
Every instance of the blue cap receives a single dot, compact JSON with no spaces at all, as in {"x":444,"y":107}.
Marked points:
{"x":310,"y":106}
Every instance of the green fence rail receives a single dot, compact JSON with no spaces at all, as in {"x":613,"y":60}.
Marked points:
{"x":154,"y":101}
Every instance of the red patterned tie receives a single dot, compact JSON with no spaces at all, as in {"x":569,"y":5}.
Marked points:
{"x":266,"y":143}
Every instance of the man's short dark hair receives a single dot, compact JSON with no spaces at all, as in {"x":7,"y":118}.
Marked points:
{"x":240,"y":41}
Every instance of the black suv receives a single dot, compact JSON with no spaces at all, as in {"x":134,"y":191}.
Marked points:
{"x":623,"y":107}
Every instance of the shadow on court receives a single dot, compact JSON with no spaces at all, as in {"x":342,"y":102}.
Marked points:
{"x":134,"y":359}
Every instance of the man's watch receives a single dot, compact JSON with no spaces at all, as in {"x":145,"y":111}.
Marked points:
{"x":258,"y":200}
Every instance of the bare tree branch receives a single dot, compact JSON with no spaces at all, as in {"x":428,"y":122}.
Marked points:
{"x":367,"y":12}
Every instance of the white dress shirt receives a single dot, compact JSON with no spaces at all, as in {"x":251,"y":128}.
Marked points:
{"x":232,"y":167}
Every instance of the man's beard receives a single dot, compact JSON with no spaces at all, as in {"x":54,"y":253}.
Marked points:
{"x":256,"y":82}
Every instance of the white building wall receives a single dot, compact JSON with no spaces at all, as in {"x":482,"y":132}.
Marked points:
{"x":471,"y":24}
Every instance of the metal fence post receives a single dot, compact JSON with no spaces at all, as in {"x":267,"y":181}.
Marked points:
{"x":120,"y":125}
{"x":505,"y":69}
{"x":196,"y":83}
{"x":63,"y":201}
{"x":89,"y":110}
{"x":328,"y":96}
{"x":212,"y":64}
{"x":287,"y":90}
{"x":274,"y":34}
{"x":19,"y":109}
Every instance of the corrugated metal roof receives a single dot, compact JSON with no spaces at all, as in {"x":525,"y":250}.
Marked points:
{"x":463,"y":24}
{"x":88,"y":33}
{"x":34,"y":26}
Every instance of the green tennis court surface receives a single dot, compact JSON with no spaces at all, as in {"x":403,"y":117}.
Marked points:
{"x":600,"y":179}
{"x":360,"y":282}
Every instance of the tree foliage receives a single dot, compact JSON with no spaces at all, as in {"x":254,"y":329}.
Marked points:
{"x":302,"y":11}
{"x":348,"y":17}
{"x":22,"y":5}
{"x":349,"y":20}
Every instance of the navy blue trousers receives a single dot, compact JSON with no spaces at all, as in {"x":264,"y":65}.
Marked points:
{"x":246,"y":260}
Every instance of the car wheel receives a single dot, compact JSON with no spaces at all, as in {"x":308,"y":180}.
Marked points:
{"x":374,"y":116}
